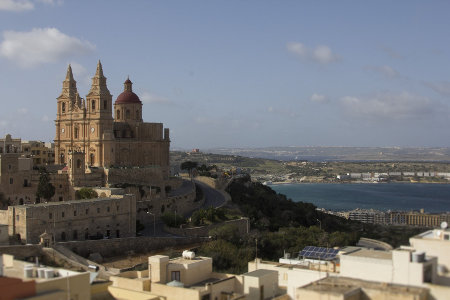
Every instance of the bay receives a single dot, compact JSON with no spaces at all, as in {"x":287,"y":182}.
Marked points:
{"x":433,"y":198}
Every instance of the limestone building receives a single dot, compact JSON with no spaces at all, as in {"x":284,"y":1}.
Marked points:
{"x":89,"y":126}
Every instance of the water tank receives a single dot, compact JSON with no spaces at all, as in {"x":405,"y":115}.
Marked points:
{"x":188,"y":254}
{"x":418,"y":257}
{"x":49,"y":273}
{"x":41,"y":272}
{"x":28,"y":272}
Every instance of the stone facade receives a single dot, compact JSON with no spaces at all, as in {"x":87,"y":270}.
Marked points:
{"x":87,"y":126}
{"x":74,"y":220}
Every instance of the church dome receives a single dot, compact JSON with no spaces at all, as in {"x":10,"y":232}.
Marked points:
{"x":127,"y":96}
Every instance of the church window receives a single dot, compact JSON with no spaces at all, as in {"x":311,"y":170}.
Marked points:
{"x":127,"y":114}
{"x":63,"y":236}
{"x":92,"y":158}
{"x":93,"y":104}
{"x":74,"y":213}
{"x":75,"y":235}
{"x":118,"y":114}
{"x":105,"y":104}
{"x":63,"y":107}
{"x":137,"y":115}
{"x":76,"y":132}
{"x":62,"y":215}
{"x":11,"y":181}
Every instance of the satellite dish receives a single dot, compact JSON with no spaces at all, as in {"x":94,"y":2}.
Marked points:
{"x":444,"y":225}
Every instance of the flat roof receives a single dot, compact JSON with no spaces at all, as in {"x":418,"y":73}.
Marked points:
{"x":346,"y":284}
{"x":259,"y":273}
{"x":55,"y":203}
{"x":181,"y":260}
{"x":378,"y":254}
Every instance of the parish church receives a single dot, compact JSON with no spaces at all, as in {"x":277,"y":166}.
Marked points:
{"x":107,"y":134}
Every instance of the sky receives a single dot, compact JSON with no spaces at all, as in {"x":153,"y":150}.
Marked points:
{"x":238,"y":73}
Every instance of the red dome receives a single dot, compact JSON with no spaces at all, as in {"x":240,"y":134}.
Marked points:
{"x":128,"y":97}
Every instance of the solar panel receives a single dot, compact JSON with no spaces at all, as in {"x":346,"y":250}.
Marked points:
{"x":319,"y":253}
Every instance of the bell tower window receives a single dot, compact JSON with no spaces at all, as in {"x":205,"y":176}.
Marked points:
{"x":63,"y":107}
{"x":93,"y":104}
{"x":128,"y":114}
{"x":105,"y":104}
{"x":118,"y":114}
{"x":76,"y":132}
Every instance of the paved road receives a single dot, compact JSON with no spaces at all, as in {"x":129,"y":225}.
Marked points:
{"x":213,"y":197}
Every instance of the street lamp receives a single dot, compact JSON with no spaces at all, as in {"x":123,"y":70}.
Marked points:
{"x":154,"y":222}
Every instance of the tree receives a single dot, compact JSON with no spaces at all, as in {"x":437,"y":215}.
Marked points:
{"x":189,"y":165}
{"x":85,"y":193}
{"x":3,"y":201}
{"x":45,"y":188}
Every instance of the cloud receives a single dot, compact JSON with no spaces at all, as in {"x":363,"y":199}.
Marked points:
{"x":45,"y":118}
{"x":22,"y":111}
{"x":402,"y":105}
{"x":146,"y":97}
{"x":282,"y":112}
{"x":442,"y":87}
{"x":16,"y":5}
{"x":51,"y":2}
{"x":25,"y":5}
{"x":80,"y":73}
{"x":319,"y":98}
{"x":321,"y":54}
{"x":392,"y":53}
{"x":41,"y":45}
{"x":385,"y":70}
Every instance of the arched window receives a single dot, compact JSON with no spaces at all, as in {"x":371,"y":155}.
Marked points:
{"x":137,"y":115}
{"x":76,"y":132}
{"x":105,"y":104}
{"x":78,"y":163}
{"x":63,"y":160}
{"x":93,"y":104}
{"x":118,"y":114}
{"x":63,"y":107}
{"x":92,"y":159}
{"x":128,"y":114}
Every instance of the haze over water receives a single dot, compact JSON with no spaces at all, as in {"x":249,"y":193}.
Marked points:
{"x":433,"y":198}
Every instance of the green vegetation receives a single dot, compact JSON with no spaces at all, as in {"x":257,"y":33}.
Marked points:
{"x":45,"y":189}
{"x":172,"y":220}
{"x":85,"y":193}
{"x":189,"y":165}
{"x":208,"y":216}
{"x":279,"y":224}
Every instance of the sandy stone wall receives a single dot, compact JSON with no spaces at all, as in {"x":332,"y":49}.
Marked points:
{"x":138,"y":176}
{"x":121,"y":246}
{"x":203,"y":231}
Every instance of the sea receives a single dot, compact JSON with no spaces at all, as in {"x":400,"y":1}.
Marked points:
{"x":433,"y":198}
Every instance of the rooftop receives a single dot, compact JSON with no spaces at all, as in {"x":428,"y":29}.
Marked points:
{"x":377,"y":254}
{"x":60,"y":203}
{"x":435,"y":234}
{"x":259,"y":273}
{"x":345,"y":284}
{"x":184,"y":261}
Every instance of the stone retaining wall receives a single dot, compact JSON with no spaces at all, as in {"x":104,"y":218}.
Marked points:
{"x":22,"y":251}
{"x":203,"y":231}
{"x":116,"y":247}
